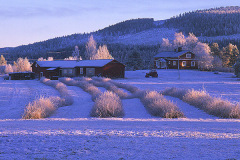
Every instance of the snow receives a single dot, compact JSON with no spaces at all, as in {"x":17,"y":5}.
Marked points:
{"x":74,"y":63}
{"x":148,"y":37}
{"x":71,"y":134}
{"x":16,"y":94}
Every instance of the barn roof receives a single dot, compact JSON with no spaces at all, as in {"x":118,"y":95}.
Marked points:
{"x":74,"y":63}
{"x":170,"y":54}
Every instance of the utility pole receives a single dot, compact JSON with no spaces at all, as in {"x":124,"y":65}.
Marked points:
{"x":178,"y":69}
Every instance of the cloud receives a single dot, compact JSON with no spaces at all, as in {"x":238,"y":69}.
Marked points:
{"x":44,"y":10}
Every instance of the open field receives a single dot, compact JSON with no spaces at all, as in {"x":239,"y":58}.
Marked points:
{"x":70,"y":132}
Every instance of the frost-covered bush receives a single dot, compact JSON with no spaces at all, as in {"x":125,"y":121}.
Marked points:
{"x":68,"y":81}
{"x":197,"y":98}
{"x":175,"y":92}
{"x":106,"y":105}
{"x":128,"y":87}
{"x":42,"y":107}
{"x":212,"y":105}
{"x":62,"y":89}
{"x":103,"y":82}
{"x":158,"y":106}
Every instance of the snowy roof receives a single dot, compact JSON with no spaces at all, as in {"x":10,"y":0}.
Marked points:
{"x":51,"y":69}
{"x":171,"y":54}
{"x":74,"y":63}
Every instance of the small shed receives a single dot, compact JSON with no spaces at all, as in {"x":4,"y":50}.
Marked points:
{"x":74,"y":68}
{"x":21,"y":75}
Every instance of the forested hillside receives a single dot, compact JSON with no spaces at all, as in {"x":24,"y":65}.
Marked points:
{"x":211,"y":22}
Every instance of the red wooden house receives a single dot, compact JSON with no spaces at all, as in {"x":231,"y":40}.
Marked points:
{"x":73,"y":68}
{"x":176,"y":59}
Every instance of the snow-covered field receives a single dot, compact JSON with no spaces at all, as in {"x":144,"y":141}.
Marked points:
{"x":70,"y":133}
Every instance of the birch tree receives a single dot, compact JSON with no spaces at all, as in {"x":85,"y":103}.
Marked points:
{"x":91,"y":48}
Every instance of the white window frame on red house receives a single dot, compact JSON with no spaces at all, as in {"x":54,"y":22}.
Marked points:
{"x":174,"y":63}
{"x":184,"y":63}
{"x":193,"y":63}
{"x":188,"y":55}
{"x":81,"y":70}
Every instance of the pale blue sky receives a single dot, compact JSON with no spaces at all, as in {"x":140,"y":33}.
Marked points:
{"x":28,"y":21}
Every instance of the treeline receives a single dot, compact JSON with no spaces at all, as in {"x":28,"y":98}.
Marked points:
{"x":212,"y":22}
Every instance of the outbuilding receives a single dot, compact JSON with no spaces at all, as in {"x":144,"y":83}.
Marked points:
{"x":74,"y":68}
{"x":21,"y":76}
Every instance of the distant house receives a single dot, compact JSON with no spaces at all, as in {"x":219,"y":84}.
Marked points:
{"x":74,"y":68}
{"x":176,"y":59}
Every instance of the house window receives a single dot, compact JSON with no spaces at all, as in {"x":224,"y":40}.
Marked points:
{"x":193,"y":63}
{"x":174,"y":63}
{"x":184,"y":64}
{"x":169,"y":62}
{"x":188,"y":55}
{"x":81,"y":70}
{"x":70,"y":71}
{"x":36,"y":65}
{"x":65,"y":71}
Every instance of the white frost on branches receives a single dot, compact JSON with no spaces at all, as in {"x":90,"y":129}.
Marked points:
{"x":91,"y":48}
{"x":93,"y":53}
{"x":203,"y":54}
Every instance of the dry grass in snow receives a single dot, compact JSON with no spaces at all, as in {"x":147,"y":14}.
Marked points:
{"x":158,"y":106}
{"x":42,"y":107}
{"x":175,"y":92}
{"x":201,"y":99}
{"x":214,"y":106}
{"x":104,"y":82}
{"x":62,"y":89}
{"x":106,"y":105}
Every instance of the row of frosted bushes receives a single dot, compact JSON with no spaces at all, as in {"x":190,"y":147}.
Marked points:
{"x":106,"y":83}
{"x":107,"y":104}
{"x":202,"y":100}
{"x":154,"y":102}
{"x":44,"y":107}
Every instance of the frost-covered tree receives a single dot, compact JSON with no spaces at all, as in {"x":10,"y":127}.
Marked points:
{"x":203,"y":54}
{"x":217,"y":62}
{"x":73,"y":58}
{"x":22,"y":65}
{"x":8,"y":68}
{"x":230,"y":55}
{"x":179,"y":40}
{"x":75,"y":53}
{"x":3,"y":61}
{"x":91,"y":48}
{"x":102,"y":53}
{"x":166,"y":45}
{"x":191,"y":42}
{"x":215,"y":50}
{"x":48,"y":59}
{"x":41,"y":59}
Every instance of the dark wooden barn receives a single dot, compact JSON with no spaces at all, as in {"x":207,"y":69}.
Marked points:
{"x":73,"y":68}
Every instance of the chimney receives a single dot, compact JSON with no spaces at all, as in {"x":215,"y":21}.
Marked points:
{"x":179,"y":49}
